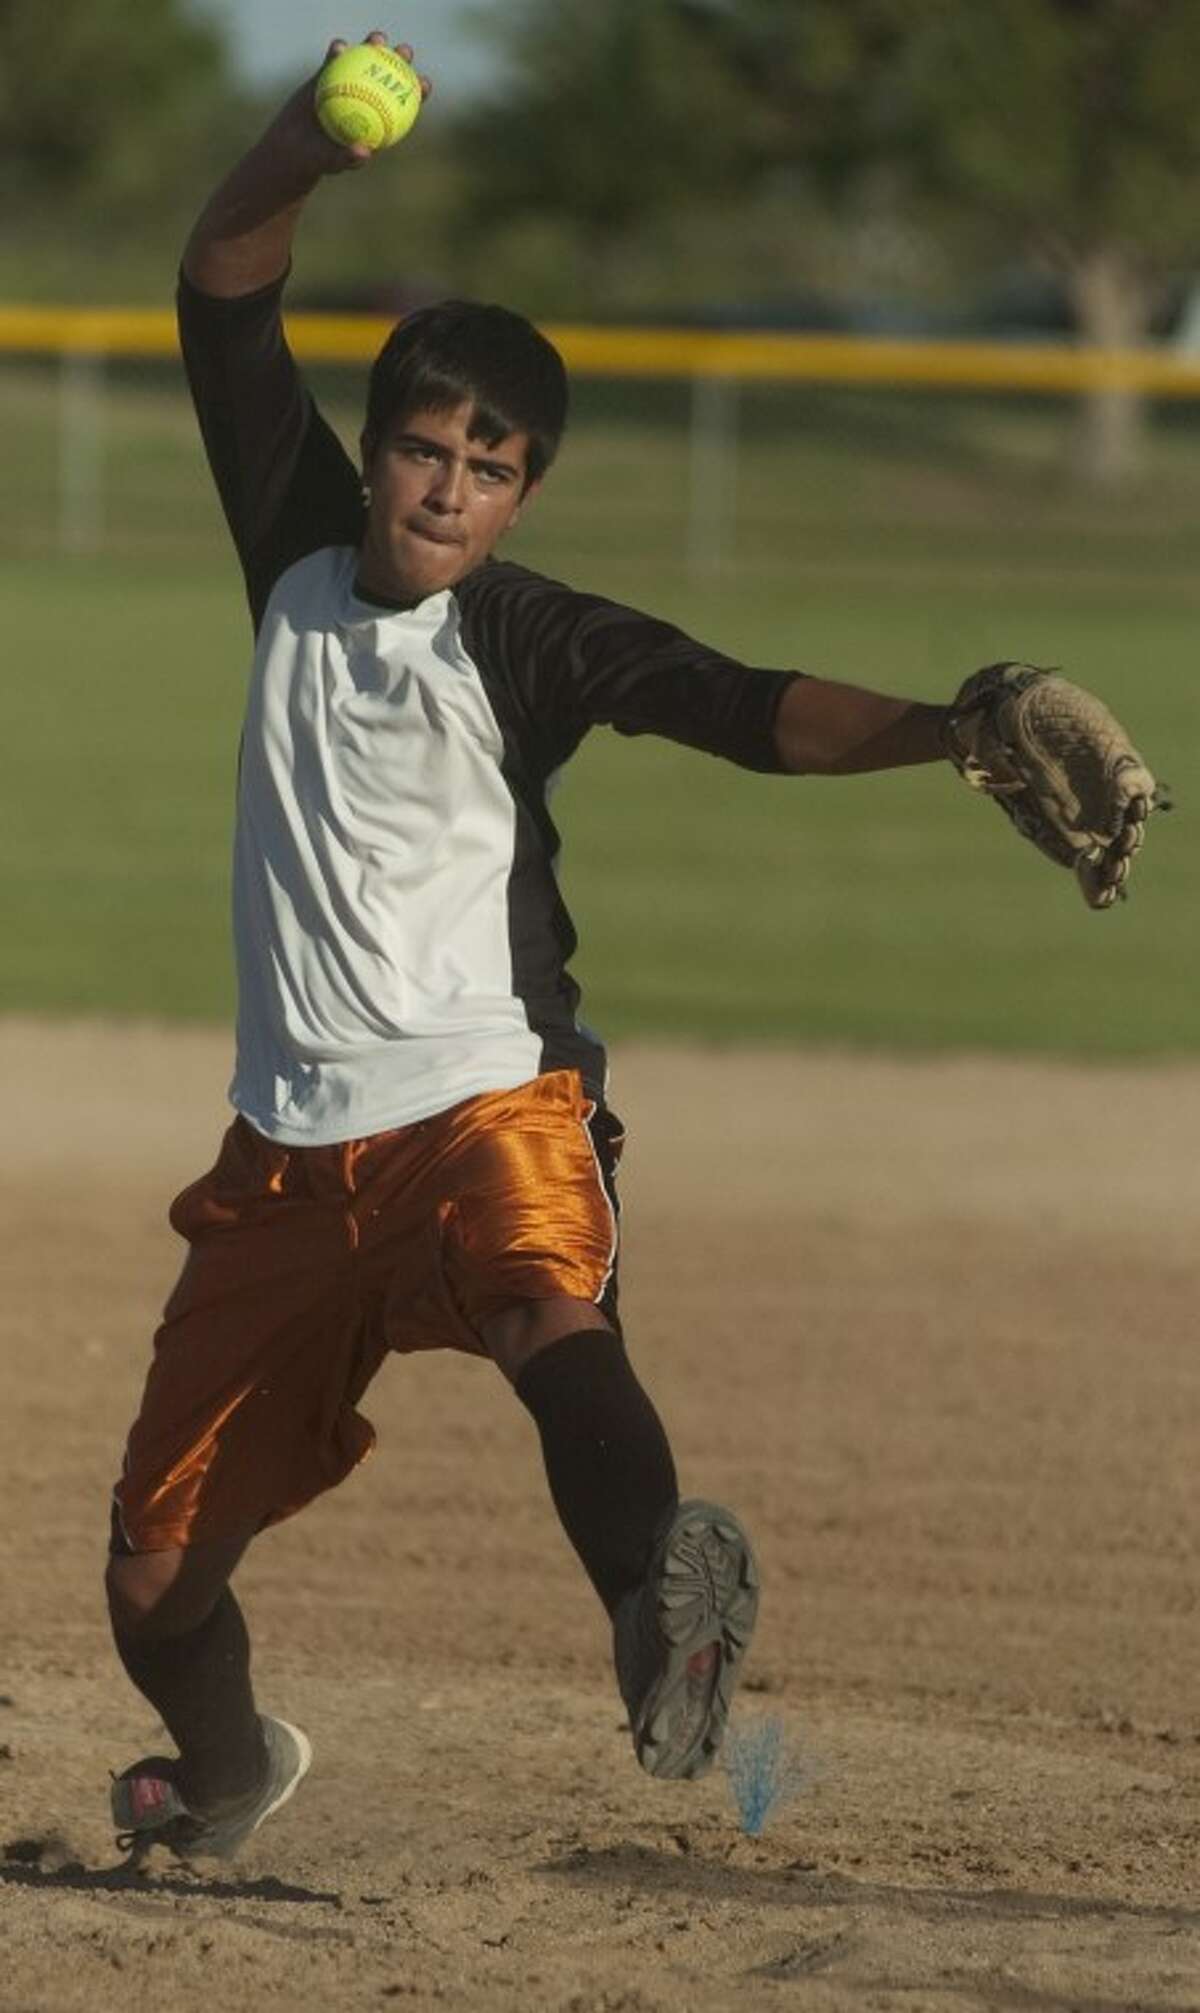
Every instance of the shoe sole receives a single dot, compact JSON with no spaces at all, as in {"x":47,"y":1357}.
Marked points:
{"x":706,"y":1600}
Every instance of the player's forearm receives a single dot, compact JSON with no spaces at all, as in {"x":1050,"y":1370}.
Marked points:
{"x":824,"y":728}
{"x":242,"y":239}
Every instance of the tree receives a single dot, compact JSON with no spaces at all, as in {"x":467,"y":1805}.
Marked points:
{"x":106,"y":108}
{"x":604,"y":116}
{"x":1068,"y":130}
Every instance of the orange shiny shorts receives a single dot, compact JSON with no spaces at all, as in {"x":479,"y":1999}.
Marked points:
{"x":308,"y":1265}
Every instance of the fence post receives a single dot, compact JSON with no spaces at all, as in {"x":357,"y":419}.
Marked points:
{"x":80,"y":451}
{"x":713,"y":463}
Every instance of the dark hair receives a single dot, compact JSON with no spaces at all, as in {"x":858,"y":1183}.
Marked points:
{"x":467,"y":350}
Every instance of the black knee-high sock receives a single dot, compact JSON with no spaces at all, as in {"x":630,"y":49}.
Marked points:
{"x":607,"y":1458}
{"x":199,"y":1684}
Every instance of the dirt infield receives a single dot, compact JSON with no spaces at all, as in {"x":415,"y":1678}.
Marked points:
{"x":929,"y":1325}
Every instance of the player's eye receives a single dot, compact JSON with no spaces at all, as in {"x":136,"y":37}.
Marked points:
{"x":417,"y":450}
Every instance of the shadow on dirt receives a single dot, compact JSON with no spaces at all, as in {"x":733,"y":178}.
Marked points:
{"x":651,"y":1869}
{"x":128,"y":1879}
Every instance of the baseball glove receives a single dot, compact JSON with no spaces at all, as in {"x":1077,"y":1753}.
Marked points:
{"x":1060,"y":766}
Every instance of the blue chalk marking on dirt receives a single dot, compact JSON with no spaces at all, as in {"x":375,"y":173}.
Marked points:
{"x":767,"y":1768}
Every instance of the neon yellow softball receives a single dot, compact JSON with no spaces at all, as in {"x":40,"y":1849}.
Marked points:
{"x":367,"y":96}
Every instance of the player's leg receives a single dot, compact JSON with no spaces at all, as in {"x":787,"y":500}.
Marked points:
{"x":248,"y":1412}
{"x":528,"y":1243}
{"x":182,"y":1640}
{"x":607,"y":1457}
{"x":181,"y":1637}
{"x":679,"y":1580}
{"x":516,"y":1188}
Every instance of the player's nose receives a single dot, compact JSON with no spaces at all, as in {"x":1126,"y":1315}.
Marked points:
{"x":446,"y":489}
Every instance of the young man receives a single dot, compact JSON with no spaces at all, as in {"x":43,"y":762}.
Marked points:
{"x":422,"y":1156}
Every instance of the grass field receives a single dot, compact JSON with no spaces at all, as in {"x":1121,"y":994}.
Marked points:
{"x":899,"y":543}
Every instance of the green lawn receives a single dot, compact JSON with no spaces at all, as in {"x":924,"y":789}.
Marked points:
{"x":886,"y":542}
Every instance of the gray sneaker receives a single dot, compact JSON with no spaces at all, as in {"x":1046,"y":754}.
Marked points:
{"x":679,"y":1640}
{"x":148,"y":1808}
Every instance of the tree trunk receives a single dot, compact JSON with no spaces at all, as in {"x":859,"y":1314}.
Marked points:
{"x":1113,"y":305}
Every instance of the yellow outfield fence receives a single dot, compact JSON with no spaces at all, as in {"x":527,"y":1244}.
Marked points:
{"x":1056,"y":368}
{"x":715,"y":363}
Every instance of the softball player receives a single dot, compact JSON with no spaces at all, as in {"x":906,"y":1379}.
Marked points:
{"x":422,"y":1155}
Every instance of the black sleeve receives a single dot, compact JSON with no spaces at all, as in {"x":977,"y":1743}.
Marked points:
{"x":570,"y":661}
{"x":285,"y":481}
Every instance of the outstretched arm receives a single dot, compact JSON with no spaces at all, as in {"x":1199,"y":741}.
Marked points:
{"x":242,"y":239}
{"x":827,"y":729}
{"x":1052,"y":756}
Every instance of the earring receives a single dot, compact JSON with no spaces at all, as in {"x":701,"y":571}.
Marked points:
{"x":366,"y":496}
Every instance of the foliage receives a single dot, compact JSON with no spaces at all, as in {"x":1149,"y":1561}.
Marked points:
{"x":1064,"y":132}
{"x":1075,"y":119}
{"x":108,"y":115}
{"x":1063,"y":129}
{"x":604,"y":115}
{"x":1067,"y":123}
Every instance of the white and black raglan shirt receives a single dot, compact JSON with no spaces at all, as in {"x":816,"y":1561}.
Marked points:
{"x":400,"y":937}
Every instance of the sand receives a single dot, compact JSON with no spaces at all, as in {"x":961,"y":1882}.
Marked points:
{"x":929,"y":1325}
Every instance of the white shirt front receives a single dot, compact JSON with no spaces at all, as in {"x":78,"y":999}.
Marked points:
{"x":375,"y":841}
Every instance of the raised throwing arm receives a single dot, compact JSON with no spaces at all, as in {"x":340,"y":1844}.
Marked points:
{"x":242,"y":239}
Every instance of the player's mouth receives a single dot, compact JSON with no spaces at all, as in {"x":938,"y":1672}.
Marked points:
{"x":436,"y":537}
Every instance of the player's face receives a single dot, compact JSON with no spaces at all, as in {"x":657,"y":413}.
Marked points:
{"x":440,"y":501}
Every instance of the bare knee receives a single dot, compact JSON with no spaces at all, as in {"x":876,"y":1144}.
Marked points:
{"x":153,"y":1595}
{"x":140,"y":1590}
{"x":513,"y":1337}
